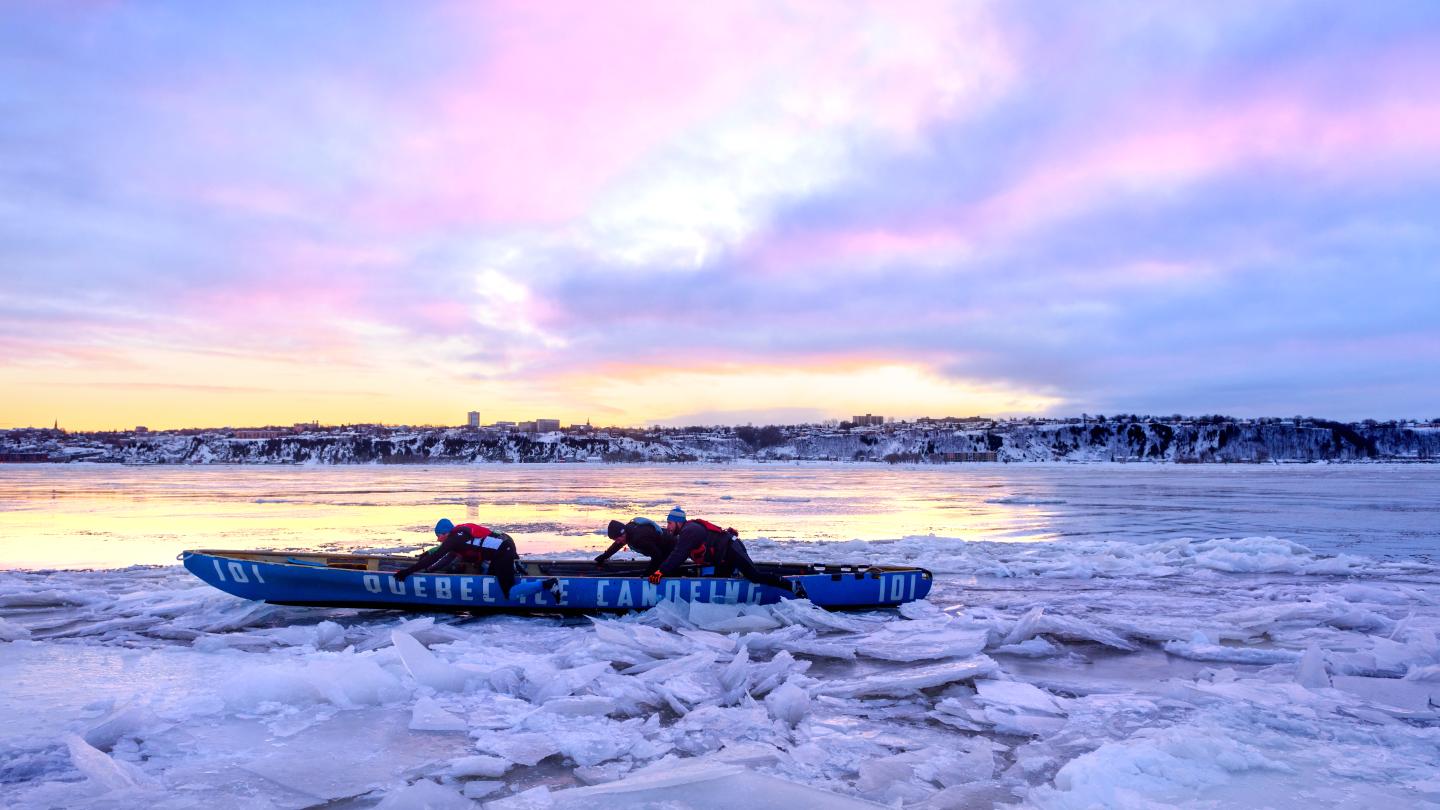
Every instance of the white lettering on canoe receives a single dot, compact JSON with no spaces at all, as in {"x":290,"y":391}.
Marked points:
{"x":485,"y":594}
{"x":564,"y":592}
{"x":897,"y":589}
{"x":752,"y":594}
{"x":442,"y":588}
{"x":219,"y":572}
{"x":397,"y":586}
{"x":649,"y":594}
{"x":732,"y":592}
{"x":467,"y":589}
{"x":694,"y":590}
{"x":419,"y":586}
{"x":600,"y":586}
{"x":255,"y":569}
{"x":672,"y":590}
{"x":237,"y":573}
{"x":372,"y":583}
{"x":625,"y":599}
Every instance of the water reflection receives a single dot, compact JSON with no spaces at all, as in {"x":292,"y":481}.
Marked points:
{"x":103,"y":516}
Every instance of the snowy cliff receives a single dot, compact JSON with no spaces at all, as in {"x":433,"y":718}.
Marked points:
{"x":1028,"y":440}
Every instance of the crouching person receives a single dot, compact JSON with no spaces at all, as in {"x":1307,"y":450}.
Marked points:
{"x":705,"y":543}
{"x":480,"y":547}
{"x":643,"y":536}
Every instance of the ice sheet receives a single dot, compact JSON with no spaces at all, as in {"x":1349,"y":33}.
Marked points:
{"x":1083,"y":670}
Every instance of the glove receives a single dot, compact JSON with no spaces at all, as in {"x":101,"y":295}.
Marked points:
{"x":600,"y":560}
{"x":401,"y":575}
{"x":655,"y":578}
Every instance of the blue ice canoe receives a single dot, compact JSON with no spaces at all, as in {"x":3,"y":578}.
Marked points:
{"x":367,"y":581}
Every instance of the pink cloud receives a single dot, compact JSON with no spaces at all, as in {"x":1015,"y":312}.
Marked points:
{"x":1163,"y":147}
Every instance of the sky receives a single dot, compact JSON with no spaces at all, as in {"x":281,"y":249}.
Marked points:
{"x":655,"y":212}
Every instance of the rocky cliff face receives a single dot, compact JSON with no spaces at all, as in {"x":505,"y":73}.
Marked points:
{"x":1155,"y":441}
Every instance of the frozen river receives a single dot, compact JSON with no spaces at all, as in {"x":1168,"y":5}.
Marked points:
{"x":1108,"y":636}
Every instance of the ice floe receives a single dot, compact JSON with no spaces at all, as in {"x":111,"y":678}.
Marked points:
{"x":1069,"y":674}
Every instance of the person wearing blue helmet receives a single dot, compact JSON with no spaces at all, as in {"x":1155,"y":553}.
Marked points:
{"x":706,"y":544}
{"x":480,"y":547}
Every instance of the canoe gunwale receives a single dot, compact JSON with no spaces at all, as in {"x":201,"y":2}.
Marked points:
{"x":388,"y":563}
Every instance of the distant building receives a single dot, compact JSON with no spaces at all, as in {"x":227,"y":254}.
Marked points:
{"x":525,"y":427}
{"x":984,"y":455}
{"x":504,"y":425}
{"x":266,"y":433}
{"x":472,"y":419}
{"x":867,"y":419}
{"x":547,"y":425}
{"x":141,"y":429}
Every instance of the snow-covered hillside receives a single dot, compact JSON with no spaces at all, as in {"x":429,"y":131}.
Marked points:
{"x":1021,"y":440}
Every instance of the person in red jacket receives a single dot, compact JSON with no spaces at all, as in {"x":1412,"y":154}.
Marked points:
{"x":471,"y":544}
{"x":705,"y":543}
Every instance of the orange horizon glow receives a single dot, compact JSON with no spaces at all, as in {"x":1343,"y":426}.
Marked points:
{"x":844,"y":388}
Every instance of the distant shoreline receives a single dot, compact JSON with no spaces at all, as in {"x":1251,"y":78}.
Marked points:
{"x":1213,"y":441}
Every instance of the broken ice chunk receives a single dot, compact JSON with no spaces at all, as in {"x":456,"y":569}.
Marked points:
{"x":891,"y":644}
{"x":559,"y":683}
{"x":429,"y":715}
{"x":425,"y":667}
{"x":1036,"y":647}
{"x":9,"y":631}
{"x":480,"y":765}
{"x":123,"y":721}
{"x":1413,"y":696}
{"x":702,"y":784}
{"x":424,"y":795}
{"x":103,"y":770}
{"x":1017,"y":695}
{"x":526,"y":748}
{"x":1200,"y":650}
{"x":1310,"y":672}
{"x":1025,"y":626}
{"x":721,"y":618}
{"x":586,"y":706}
{"x":788,"y":703}
{"x":908,"y":681}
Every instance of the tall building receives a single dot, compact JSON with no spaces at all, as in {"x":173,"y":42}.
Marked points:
{"x":546,"y":425}
{"x":472,"y":420}
{"x":868,"y":419}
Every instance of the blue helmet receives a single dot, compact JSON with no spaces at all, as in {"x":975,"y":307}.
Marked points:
{"x":444,"y":526}
{"x":677,"y":515}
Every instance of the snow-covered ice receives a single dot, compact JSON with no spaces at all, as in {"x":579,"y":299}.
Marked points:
{"x":1074,"y":672}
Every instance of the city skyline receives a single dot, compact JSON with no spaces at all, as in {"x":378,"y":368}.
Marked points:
{"x":662,"y":214}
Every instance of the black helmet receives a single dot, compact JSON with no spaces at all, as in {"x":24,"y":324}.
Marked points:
{"x":615,"y":529}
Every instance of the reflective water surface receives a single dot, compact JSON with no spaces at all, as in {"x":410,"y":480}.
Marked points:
{"x":110,"y":516}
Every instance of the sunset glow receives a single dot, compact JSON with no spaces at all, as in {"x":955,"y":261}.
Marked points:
{"x":642,"y":213}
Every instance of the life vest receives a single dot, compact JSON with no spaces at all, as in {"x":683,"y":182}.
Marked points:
{"x":713,"y":549}
{"x":644,"y":521}
{"x":480,"y":543}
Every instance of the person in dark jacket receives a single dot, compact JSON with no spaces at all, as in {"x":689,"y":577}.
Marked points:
{"x":643,"y":536}
{"x":705,"y":543}
{"x":480,"y":548}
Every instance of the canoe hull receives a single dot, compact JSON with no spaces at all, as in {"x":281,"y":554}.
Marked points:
{"x":276,"y":578}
